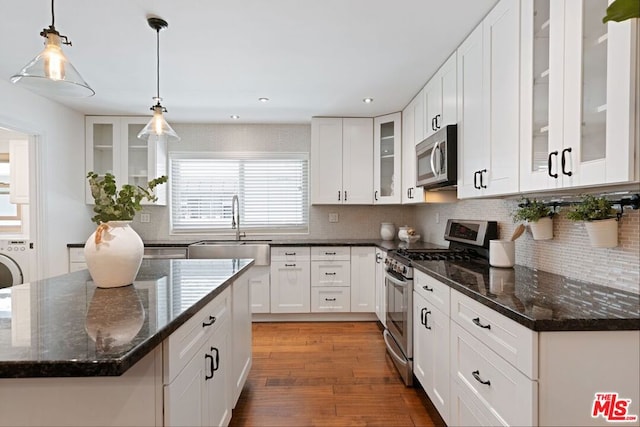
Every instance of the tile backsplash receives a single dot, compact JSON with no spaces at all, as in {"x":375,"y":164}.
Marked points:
{"x":568,"y":254}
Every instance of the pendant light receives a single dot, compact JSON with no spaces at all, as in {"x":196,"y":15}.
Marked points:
{"x":158,"y":126}
{"x":51,"y":72}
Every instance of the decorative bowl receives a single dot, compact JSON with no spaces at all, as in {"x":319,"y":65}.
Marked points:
{"x":411,"y":239}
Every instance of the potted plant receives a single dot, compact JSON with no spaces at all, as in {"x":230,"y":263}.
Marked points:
{"x":538,"y":216}
{"x":599,"y":219}
{"x":114,"y":251}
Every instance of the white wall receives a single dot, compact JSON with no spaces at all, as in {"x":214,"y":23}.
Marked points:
{"x":63,"y":216}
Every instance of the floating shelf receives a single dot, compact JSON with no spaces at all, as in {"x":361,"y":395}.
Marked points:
{"x":103,"y":147}
{"x":386,"y":138}
{"x":602,"y":108}
{"x":544,"y":129}
{"x":544,"y":74}
{"x":602,"y":39}
{"x":138,"y":147}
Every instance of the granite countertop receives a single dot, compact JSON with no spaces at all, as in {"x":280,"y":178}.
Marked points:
{"x":66,"y":327}
{"x":386,"y":245}
{"x":539,"y":300}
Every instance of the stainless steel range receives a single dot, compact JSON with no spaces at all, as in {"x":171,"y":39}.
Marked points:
{"x":468,"y":242}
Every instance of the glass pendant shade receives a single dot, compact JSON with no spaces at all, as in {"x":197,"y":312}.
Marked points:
{"x":51,"y":72}
{"x":158,"y":126}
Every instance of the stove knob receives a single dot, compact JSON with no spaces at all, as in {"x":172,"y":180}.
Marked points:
{"x":404,"y":270}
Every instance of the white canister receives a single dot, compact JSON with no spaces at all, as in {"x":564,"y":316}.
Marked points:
{"x":502,"y":253}
{"x":387,"y":231}
{"x":403,"y":232}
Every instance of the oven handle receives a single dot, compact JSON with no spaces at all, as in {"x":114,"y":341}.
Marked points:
{"x":391,"y":346}
{"x":403,"y":283}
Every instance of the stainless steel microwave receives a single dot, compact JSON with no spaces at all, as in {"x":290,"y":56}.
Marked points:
{"x":436,"y":159}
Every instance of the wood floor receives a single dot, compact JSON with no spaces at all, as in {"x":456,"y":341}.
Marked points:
{"x":327,"y":374}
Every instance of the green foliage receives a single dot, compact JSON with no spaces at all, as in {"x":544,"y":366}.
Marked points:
{"x":591,"y":208}
{"x":531,"y":211}
{"x":621,"y":10}
{"x":114,"y":205}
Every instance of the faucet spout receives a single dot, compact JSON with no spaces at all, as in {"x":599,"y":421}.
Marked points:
{"x":235,"y":215}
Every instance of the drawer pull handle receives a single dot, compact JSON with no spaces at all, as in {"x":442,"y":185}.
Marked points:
{"x":330,"y":274}
{"x":423,"y":320}
{"x":210,"y":322}
{"x":289,"y":265}
{"x":427,"y":288}
{"x":477,"y":322}
{"x":329,"y":253}
{"x":210,"y":358}
{"x":426,"y":319}
{"x":216,"y":366}
{"x":476,"y":375}
{"x":289,"y":253}
{"x":329,"y":299}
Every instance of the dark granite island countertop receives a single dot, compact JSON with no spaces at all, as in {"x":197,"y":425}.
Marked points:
{"x":66,"y":327}
{"x":540,"y":300}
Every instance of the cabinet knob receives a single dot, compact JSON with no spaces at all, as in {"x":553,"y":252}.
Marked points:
{"x":427,"y":288}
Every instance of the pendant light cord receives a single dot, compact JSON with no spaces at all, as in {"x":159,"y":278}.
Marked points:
{"x":157,"y":64}
{"x":53,"y":16}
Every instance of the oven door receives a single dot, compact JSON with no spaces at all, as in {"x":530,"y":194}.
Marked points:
{"x":399,"y":333}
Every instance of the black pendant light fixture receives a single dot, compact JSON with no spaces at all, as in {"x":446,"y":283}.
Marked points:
{"x":51,"y":72}
{"x":158,"y":126}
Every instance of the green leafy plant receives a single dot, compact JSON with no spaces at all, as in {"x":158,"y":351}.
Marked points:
{"x":114,"y":205}
{"x":591,"y":208}
{"x":621,"y":10}
{"x":531,"y":211}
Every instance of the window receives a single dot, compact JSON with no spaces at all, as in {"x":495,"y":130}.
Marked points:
{"x":272,"y":190}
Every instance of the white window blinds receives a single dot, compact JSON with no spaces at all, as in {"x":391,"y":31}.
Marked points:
{"x":272,"y":188}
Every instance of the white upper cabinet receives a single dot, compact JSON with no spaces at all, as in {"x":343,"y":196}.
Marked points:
{"x":412,"y":134}
{"x":19,"y":171}
{"x":578,"y":96}
{"x":387,"y":158}
{"x":440,"y":98}
{"x":112,"y":146}
{"x":488,"y":75}
{"x":341,"y":160}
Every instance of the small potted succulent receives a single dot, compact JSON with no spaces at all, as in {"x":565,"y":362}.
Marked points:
{"x":599,"y":219}
{"x":114,"y":251}
{"x":538,"y":216}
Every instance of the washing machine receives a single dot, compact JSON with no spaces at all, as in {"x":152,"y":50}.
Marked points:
{"x":16,"y":262}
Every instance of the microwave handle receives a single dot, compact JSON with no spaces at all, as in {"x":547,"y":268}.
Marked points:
{"x":433,"y":160}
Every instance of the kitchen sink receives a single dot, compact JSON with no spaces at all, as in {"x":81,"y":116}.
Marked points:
{"x":258,"y":250}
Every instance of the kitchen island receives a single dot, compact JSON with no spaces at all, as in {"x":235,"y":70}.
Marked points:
{"x":74,"y":354}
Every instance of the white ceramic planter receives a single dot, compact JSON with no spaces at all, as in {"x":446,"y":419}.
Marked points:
{"x":603,"y":233}
{"x":387,"y":231}
{"x":116,"y":259}
{"x":542,"y":229}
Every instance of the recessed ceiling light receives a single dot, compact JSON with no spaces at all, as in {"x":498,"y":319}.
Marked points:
{"x":367,"y":100}
{"x":235,"y":116}
{"x":263,"y":99}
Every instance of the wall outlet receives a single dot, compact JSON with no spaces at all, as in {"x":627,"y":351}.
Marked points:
{"x":145,"y":217}
{"x":333,"y":217}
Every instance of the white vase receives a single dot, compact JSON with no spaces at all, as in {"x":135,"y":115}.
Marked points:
{"x":603,"y":233}
{"x":387,"y":231}
{"x":115,"y":260}
{"x":542,"y":229}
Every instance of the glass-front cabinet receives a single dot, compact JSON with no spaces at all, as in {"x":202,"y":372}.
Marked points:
{"x":112,"y":146}
{"x":387,"y":158}
{"x":578,"y":95}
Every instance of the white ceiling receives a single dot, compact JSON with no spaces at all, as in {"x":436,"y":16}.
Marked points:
{"x":310,"y":57}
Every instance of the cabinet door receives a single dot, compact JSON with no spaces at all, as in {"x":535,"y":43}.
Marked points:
{"x":330,"y":273}
{"x":433,"y":104}
{"x":102,"y":151}
{"x":449,"y":83}
{"x":412,"y":134}
{"x":241,"y":359}
{"x":290,"y":287}
{"x":501,"y":100}
{"x":380,"y":287}
{"x":19,"y":171}
{"x":185,"y":399}
{"x":363,"y":279}
{"x":357,"y":161}
{"x":599,"y":93}
{"x":260,"y":289}
{"x":219,"y":378}
{"x":387,"y":159}
{"x":326,"y":160}
{"x":471,"y":143}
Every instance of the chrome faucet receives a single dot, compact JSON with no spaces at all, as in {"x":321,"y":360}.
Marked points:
{"x":235,"y":222}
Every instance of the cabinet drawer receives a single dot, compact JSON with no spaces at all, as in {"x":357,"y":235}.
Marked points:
{"x":437,"y":293}
{"x":335,"y":253}
{"x":182,"y":344}
{"x":290,"y":253}
{"x":330,"y":273}
{"x":330,"y":299}
{"x":76,"y":255}
{"x":517,"y":344}
{"x":491,"y":382}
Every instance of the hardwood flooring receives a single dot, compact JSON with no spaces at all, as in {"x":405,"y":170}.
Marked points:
{"x":327,"y":374}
